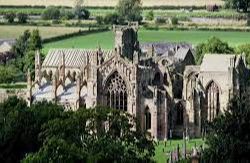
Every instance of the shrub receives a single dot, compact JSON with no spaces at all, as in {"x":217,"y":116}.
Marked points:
{"x":212,"y":8}
{"x":99,"y":20}
{"x":245,"y":48}
{"x":8,"y":74}
{"x":150,"y":15}
{"x":81,"y":13}
{"x":10,"y":17}
{"x":51,"y":13}
{"x":56,"y":21}
{"x":66,"y":14}
{"x":174,"y":20}
{"x":113,"y":18}
{"x":22,"y":17}
{"x":160,"y":20}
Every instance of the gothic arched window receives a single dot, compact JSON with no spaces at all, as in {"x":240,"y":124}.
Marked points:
{"x":213,"y":101}
{"x":147,"y":119}
{"x":116,"y":92}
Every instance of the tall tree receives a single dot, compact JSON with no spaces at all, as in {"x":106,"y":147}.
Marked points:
{"x":20,"y":127}
{"x":94,"y":135}
{"x":35,"y":41}
{"x":229,"y":136}
{"x":213,"y":45}
{"x":238,"y":4}
{"x":130,"y":10}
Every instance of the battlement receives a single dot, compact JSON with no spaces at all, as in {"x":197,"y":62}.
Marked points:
{"x":131,"y":25}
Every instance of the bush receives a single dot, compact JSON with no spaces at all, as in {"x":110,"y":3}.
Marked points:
{"x":245,"y":48}
{"x":22,"y":17}
{"x":81,"y":13}
{"x":8,"y":74}
{"x":150,"y":15}
{"x":56,"y":21}
{"x":174,"y":20}
{"x":66,"y":14}
{"x":99,"y":20}
{"x":113,"y":18}
{"x":212,"y":8}
{"x":51,"y":13}
{"x":160,"y":20}
{"x":10,"y":17}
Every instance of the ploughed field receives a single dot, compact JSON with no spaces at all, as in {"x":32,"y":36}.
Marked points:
{"x":109,"y":2}
{"x":106,"y":39}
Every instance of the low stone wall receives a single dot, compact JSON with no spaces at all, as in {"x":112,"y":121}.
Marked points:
{"x":5,"y":93}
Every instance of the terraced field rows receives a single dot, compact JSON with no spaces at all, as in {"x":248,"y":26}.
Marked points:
{"x":111,"y":2}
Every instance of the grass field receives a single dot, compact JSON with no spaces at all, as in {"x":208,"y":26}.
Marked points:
{"x":110,"y":2}
{"x":162,"y":152}
{"x":13,"y":31}
{"x":106,"y":39}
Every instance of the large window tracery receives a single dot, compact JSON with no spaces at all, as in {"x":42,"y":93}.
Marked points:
{"x":116,"y":92}
{"x":213,"y":101}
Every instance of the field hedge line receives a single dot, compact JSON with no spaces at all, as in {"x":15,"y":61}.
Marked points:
{"x":13,"y":86}
{"x":157,"y":27}
{"x":109,"y":7}
{"x":78,"y":33}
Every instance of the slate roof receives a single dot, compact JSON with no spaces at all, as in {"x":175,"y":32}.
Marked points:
{"x":161,"y":48}
{"x":73,"y":57}
{"x":181,"y":53}
{"x":218,"y":62}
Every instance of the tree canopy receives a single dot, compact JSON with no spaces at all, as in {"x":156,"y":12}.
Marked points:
{"x":213,"y":45}
{"x":244,"y":49}
{"x":229,"y":136}
{"x":238,"y":4}
{"x":130,"y":10}
{"x":46,"y":133}
{"x":24,"y":49}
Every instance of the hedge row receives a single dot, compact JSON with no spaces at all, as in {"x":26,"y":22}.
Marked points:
{"x":110,"y":7}
{"x":13,"y":86}
{"x":156,"y":27}
{"x":78,"y":33}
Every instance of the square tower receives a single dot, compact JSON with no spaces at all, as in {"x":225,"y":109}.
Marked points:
{"x":126,"y":42}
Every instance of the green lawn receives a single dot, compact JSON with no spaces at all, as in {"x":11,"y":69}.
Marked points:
{"x":106,"y":39}
{"x":161,"y":152}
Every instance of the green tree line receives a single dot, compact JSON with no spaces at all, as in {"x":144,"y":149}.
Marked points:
{"x":46,"y":133}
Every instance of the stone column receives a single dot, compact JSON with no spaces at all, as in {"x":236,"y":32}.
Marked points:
{"x":29,"y":88}
{"x":166,"y":119}
{"x":154,"y":123}
{"x":38,"y":66}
